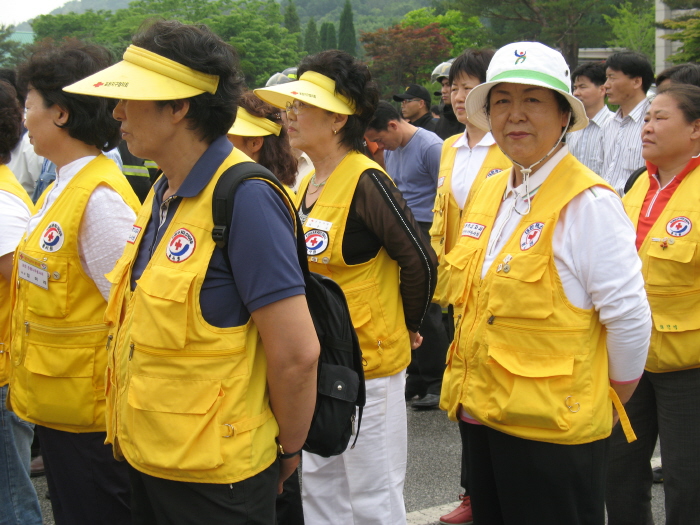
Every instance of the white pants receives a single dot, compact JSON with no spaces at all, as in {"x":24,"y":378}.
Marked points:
{"x":364,"y":485}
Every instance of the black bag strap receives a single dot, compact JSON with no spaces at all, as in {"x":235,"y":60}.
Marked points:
{"x":633,"y":178}
{"x":222,"y":206}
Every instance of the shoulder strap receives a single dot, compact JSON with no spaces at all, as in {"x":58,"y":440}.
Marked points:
{"x":222,"y":205}
{"x":633,"y":178}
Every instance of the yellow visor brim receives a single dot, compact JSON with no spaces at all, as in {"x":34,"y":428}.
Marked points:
{"x":243,"y":128}
{"x":306,"y":92}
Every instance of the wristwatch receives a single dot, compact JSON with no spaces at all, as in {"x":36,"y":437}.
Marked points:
{"x":281,"y":454}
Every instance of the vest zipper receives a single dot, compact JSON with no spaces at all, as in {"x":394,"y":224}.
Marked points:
{"x":61,"y":330}
{"x":522,"y":328}
{"x":109,"y":341}
{"x":131,"y":351}
{"x":143,"y":350}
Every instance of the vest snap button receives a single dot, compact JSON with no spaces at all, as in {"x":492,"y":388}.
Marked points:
{"x":325,"y":260}
{"x":56,"y":275}
{"x":506,"y":268}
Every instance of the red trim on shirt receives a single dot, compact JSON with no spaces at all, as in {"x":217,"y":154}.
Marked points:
{"x":657,"y":198}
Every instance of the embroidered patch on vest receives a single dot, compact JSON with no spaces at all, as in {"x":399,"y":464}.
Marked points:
{"x":473,"y":230}
{"x":316,"y":242}
{"x":531,"y":235}
{"x":441,"y":181}
{"x":52,"y":238}
{"x":493,"y":172}
{"x":135,"y":230}
{"x":181,"y":246}
{"x":679,"y":227}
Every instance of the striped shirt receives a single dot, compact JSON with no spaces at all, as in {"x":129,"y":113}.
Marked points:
{"x":622,"y":146}
{"x":587,"y":144}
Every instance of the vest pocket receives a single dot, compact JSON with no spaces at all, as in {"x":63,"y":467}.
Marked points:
{"x":528,"y":390}
{"x":673,"y":266}
{"x":160,"y":314}
{"x":522,"y":291}
{"x":677,"y":322}
{"x":458,"y":271}
{"x":361,"y":316}
{"x":174,"y":424}
{"x":51,"y":303}
{"x":60,"y":385}
{"x":438,"y":227}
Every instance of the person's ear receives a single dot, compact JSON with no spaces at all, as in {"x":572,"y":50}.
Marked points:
{"x":255,"y":143}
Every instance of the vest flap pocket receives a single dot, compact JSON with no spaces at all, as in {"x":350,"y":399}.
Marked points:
{"x":361,"y":316}
{"x":118,"y":271}
{"x":459,"y":256}
{"x":533,"y":365}
{"x":678,"y":251}
{"x":339,"y":382}
{"x":156,"y":394}
{"x":675,"y":313}
{"x":167,"y":284}
{"x":522,"y":292}
{"x":672,"y":266}
{"x":60,"y":361}
{"x":527,"y":268}
{"x":457,"y":271}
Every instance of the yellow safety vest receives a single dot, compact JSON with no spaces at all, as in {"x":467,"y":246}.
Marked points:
{"x":525,"y":361}
{"x":186,"y":401}
{"x":8,"y":183}
{"x":371,"y":288}
{"x":444,"y":232}
{"x":58,"y":334}
{"x":671,"y":268}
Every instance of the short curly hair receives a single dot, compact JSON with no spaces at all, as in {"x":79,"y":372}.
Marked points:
{"x":10,"y":121}
{"x":52,"y":67}
{"x":354,"y":81}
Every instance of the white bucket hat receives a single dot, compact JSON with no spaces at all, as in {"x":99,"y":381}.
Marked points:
{"x":529,"y":63}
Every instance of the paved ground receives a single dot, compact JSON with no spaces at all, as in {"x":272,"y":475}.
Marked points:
{"x":432,"y":480}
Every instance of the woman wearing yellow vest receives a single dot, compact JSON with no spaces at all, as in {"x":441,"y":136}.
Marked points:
{"x":556,"y":323}
{"x":664,"y":204}
{"x":58,"y":332}
{"x":212,"y":354}
{"x":18,"y":500}
{"x":467,"y":160}
{"x":360,"y":233}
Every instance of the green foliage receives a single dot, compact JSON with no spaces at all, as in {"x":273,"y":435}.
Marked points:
{"x":291,"y":18}
{"x":346,"y":30}
{"x":328,"y":38}
{"x":688,"y":33}
{"x":312,"y":44}
{"x":403,"y":55}
{"x":462,"y":32}
{"x":11,"y":51}
{"x":633,"y":28}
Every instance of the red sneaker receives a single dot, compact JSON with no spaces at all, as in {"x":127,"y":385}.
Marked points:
{"x":462,"y":515}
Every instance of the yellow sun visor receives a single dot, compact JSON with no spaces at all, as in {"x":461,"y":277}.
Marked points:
{"x":247,"y":125}
{"x":144,"y":75}
{"x":311,"y":88}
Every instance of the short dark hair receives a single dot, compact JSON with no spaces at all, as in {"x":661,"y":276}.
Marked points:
{"x":52,"y":67}
{"x":687,"y":96}
{"x":276,"y":153}
{"x":473,"y":62}
{"x":198,"y":48}
{"x":682,"y":74}
{"x":10,"y":121}
{"x":633,"y":65}
{"x":593,"y":71}
{"x":352,"y":80}
{"x":562,"y":102}
{"x":9,"y":75}
{"x":384,"y":113}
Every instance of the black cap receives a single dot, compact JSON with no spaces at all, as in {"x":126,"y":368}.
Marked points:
{"x":414,"y":91}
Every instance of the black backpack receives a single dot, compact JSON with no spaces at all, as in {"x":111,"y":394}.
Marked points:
{"x":341,"y":379}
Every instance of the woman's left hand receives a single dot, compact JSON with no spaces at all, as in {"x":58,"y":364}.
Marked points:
{"x":416,"y":339}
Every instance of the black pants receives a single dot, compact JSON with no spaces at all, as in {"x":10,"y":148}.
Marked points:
{"x":157,"y":501}
{"x":87,"y":485}
{"x":428,"y":360}
{"x":289,"y":508}
{"x":514,"y":481}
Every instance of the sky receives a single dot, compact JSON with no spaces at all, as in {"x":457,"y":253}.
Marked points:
{"x":17,"y":11}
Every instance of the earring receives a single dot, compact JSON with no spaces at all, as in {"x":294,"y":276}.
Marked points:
{"x":335,"y":132}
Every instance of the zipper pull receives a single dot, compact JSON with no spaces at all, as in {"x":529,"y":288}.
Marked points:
{"x":109,"y":341}
{"x":26,"y":327}
{"x":131,"y":351}
{"x":491,"y":319}
{"x":352,"y":422}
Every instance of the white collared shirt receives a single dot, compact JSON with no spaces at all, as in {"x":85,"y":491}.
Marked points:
{"x":304,"y":167}
{"x":587,"y":144}
{"x":467,"y":165}
{"x":597,"y":261}
{"x":622,"y":146}
{"x":104,"y":229}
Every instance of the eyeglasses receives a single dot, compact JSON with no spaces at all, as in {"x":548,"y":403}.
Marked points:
{"x":410,"y":100}
{"x":296,"y":107}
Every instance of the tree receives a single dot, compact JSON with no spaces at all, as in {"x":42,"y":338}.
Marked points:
{"x":11,"y":51}
{"x":688,"y":33}
{"x":312,"y":44}
{"x":328,"y":39}
{"x":633,"y":28}
{"x":291,"y":18}
{"x":462,"y":32}
{"x":404,"y":55}
{"x":562,"y":24}
{"x":346,"y":30}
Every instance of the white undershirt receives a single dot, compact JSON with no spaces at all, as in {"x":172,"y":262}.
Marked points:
{"x":14,"y":215}
{"x":468,"y":162}
{"x":105,"y":226}
{"x":597,"y":261}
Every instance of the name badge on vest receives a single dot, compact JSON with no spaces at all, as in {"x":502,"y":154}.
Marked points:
{"x":52,"y":238}
{"x":318,"y":224}
{"x":441,"y":181}
{"x":473,"y":230}
{"x":33,"y":271}
{"x":135,"y":230}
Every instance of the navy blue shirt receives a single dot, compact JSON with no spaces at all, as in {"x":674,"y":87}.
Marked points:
{"x":261,"y":245}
